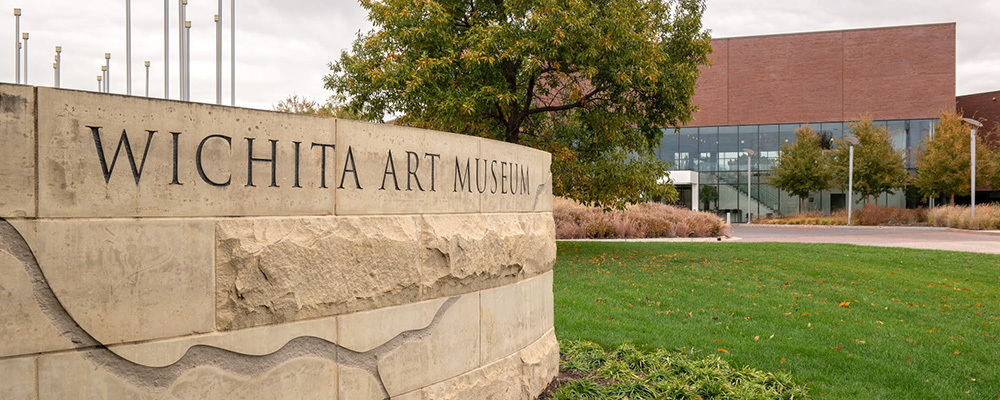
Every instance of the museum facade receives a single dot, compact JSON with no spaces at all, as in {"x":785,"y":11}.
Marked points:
{"x":759,"y":89}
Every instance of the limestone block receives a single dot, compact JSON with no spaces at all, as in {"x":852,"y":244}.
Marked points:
{"x":271,"y":270}
{"x":199,"y":160}
{"x":463,"y":253}
{"x":496,"y":381}
{"x":253,"y":341}
{"x":23,"y":325}
{"x":540,"y":364}
{"x":420,"y":177}
{"x":515,"y":316}
{"x":72,"y":376}
{"x":520,"y":179}
{"x":17,"y":154}
{"x":522,"y":375}
{"x":131,"y":279}
{"x":357,"y":384}
{"x":451,"y":349}
{"x":364,"y":331}
{"x":17,"y":378}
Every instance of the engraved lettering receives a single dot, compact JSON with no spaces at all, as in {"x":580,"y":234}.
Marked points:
{"x":390,"y":168}
{"x":353,"y":170}
{"x":322,"y":162}
{"x":198,"y":160}
{"x":136,"y":172}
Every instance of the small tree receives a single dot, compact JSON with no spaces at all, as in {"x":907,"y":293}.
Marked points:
{"x":709,"y":195}
{"x":802,"y":167}
{"x":878,"y":168}
{"x":301,"y":105}
{"x":944,"y":166}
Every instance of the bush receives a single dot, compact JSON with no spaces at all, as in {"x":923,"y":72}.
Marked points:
{"x":647,"y":220}
{"x":629,"y":372}
{"x":987,"y":217}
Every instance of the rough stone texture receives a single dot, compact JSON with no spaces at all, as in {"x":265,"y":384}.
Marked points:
{"x":23,"y":326}
{"x":452,"y":349}
{"x":252,"y":341}
{"x":522,"y":375}
{"x":370,"y":145}
{"x":17,"y":378}
{"x":508,"y":193}
{"x":271,"y":270}
{"x":367,"y":330}
{"x":130,"y":279}
{"x":514,"y":316}
{"x":17,"y":154}
{"x":72,"y":181}
{"x":70,"y":376}
{"x":462,"y":253}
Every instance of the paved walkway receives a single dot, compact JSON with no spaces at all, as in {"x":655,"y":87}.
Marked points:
{"x":911,"y":237}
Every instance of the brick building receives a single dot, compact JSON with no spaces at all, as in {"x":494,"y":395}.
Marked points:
{"x":759,"y":89}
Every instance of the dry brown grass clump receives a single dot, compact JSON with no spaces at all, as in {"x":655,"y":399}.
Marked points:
{"x":987,"y":217}
{"x":647,"y":220}
{"x":871,"y":215}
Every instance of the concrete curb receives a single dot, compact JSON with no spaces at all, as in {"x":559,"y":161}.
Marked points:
{"x":877,"y":227}
{"x":665,"y":240}
{"x":975,"y":232}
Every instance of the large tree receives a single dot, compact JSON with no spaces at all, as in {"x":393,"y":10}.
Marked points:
{"x":591,"y":81}
{"x":944,"y":165}
{"x":802,"y":167}
{"x":878,"y":168}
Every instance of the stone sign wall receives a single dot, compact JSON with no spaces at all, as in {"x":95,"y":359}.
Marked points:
{"x":162,"y":249}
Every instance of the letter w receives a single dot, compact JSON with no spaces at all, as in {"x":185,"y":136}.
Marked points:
{"x":136,"y":172}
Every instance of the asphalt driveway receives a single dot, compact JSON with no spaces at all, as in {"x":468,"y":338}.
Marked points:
{"x":911,"y":237}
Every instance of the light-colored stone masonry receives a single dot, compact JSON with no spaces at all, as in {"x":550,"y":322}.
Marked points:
{"x":169,"y":250}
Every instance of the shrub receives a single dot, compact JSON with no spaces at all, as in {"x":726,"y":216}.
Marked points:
{"x":987,"y":217}
{"x":647,"y":220}
{"x":628,"y":372}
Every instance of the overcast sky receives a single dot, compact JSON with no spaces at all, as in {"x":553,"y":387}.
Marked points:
{"x":284,"y":47}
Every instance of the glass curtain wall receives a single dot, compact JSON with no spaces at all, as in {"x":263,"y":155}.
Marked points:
{"x":717,"y":154}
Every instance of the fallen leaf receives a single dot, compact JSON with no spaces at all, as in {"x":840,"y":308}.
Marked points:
{"x":845,"y":304}
{"x":717,"y":341}
{"x":909,"y":360}
{"x":724,"y":351}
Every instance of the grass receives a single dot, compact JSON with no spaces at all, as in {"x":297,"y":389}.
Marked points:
{"x":851,"y":322}
{"x":871,"y":214}
{"x":987,"y":217}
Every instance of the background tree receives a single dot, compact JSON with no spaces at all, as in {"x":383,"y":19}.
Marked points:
{"x":301,"y":105}
{"x":802,"y":167}
{"x":708,"y":195}
{"x":878,"y":168}
{"x":944,"y":167}
{"x":591,"y":81}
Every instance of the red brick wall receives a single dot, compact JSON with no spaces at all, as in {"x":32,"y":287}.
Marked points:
{"x":982,"y":106}
{"x":884,"y":73}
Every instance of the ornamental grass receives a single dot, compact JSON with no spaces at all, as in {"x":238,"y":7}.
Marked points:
{"x":987,"y":217}
{"x":647,"y":220}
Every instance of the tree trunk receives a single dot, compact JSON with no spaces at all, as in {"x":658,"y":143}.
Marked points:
{"x":802,"y":204}
{"x":951,"y":200}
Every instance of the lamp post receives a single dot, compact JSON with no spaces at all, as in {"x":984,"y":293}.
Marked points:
{"x":750,"y":154}
{"x":100,"y":86}
{"x":850,"y":176}
{"x":58,"y":65}
{"x":166,"y":49}
{"x":104,"y":73}
{"x":975,"y":125}
{"x":107,"y":73}
{"x":17,"y":44}
{"x":218,"y":55}
{"x":187,"y":59}
{"x":25,"y":37}
{"x":232,"y":51}
{"x":147,"y":77}
{"x":128,"y":47}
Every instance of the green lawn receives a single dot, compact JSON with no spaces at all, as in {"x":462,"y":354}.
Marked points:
{"x":919,"y":323}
